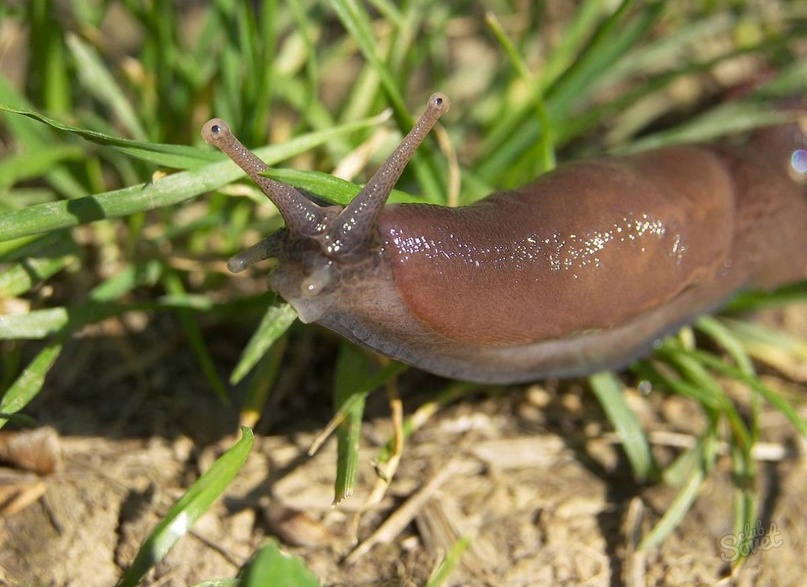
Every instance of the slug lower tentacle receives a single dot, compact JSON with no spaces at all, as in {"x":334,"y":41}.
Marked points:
{"x":581,"y":270}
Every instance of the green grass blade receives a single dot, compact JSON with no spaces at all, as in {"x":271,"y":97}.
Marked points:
{"x":173,"y":156}
{"x":324,"y":185}
{"x":188,"y":509}
{"x":615,"y":36}
{"x":675,"y":512}
{"x":123,"y":282}
{"x":546,"y":144}
{"x":36,"y":262}
{"x":99,"y":81}
{"x":728,"y":118}
{"x":331,"y":188}
{"x":744,"y":498}
{"x":274,"y":324}
{"x":307,"y":28}
{"x":768,"y":394}
{"x":724,"y":337}
{"x":352,"y":367}
{"x":683,"y":466}
{"x":51,"y":321}
{"x":560,"y":58}
{"x":610,"y":393}
{"x":22,"y":277}
{"x":30,"y":381}
{"x":48,"y":71}
{"x":271,"y":567}
{"x":168,"y":191}
{"x":356,"y":20}
{"x":756,"y":300}
{"x":34,"y":164}
{"x":697,"y":371}
{"x":447,"y":566}
{"x":33,"y":137}
{"x":779,"y":349}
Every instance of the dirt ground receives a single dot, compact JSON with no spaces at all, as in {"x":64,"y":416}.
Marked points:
{"x":533,"y":475}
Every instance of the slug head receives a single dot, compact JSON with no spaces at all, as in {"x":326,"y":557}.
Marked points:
{"x":321,"y":248}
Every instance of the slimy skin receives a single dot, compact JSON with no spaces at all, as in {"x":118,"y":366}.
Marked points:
{"x":578,"y":271}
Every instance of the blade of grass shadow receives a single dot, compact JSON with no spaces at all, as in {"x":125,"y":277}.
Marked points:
{"x":174,"y":287}
{"x":263,"y":381}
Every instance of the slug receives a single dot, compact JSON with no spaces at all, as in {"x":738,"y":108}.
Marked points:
{"x":578,"y":271}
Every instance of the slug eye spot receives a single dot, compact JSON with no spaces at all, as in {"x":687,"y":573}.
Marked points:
{"x":216,"y":132}
{"x":439,"y":103}
{"x":313,"y":284}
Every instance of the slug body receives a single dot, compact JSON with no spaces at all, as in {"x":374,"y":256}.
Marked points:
{"x":581,"y":270}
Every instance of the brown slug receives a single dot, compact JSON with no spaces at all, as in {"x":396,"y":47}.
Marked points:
{"x":578,"y":271}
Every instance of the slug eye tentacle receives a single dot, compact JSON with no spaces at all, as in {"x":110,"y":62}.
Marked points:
{"x":355,"y":223}
{"x":268,"y":248}
{"x":301,"y":214}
